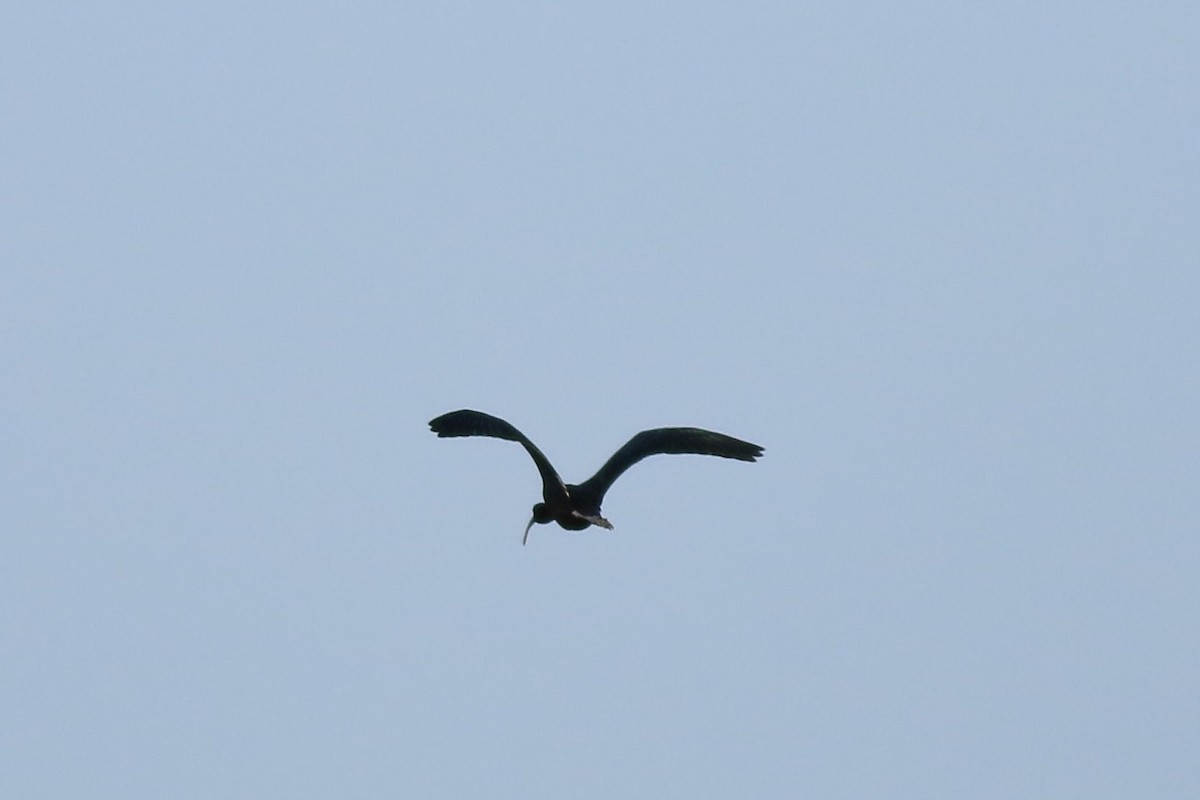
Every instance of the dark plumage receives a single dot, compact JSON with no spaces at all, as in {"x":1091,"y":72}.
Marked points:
{"x":576,"y":507}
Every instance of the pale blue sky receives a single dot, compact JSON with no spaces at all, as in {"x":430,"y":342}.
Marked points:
{"x":940,"y":259}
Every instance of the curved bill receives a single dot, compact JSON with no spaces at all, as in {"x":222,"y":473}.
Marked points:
{"x":525,"y":538}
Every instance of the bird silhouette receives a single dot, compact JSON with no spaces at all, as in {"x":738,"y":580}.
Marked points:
{"x":577,"y":506}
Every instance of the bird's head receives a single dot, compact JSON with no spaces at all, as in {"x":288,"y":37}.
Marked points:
{"x":541,"y":515}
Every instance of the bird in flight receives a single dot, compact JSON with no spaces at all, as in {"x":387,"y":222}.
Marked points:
{"x":577,"y":506}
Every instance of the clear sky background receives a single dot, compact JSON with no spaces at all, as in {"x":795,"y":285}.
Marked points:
{"x":941,"y":259}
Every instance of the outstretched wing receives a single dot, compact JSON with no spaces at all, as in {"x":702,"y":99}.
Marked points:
{"x":476,"y":423}
{"x":663,"y":440}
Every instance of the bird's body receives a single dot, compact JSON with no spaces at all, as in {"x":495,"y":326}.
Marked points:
{"x":577,"y":506}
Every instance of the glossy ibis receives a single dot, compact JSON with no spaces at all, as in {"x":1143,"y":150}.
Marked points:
{"x":576,"y":507}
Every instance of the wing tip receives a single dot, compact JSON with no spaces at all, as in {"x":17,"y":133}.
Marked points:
{"x":751,"y":454}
